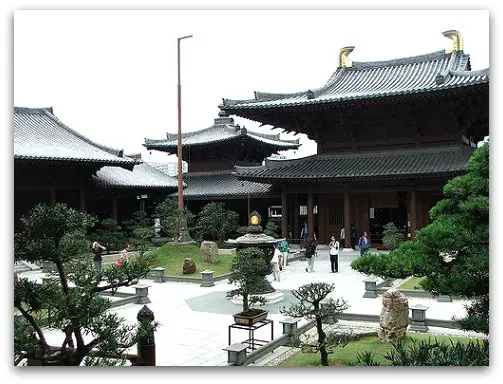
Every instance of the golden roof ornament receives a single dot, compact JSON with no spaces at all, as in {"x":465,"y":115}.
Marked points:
{"x":344,"y":57}
{"x":457,"y":41}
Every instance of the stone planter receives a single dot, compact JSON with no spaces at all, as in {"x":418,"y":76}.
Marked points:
{"x":250,"y":317}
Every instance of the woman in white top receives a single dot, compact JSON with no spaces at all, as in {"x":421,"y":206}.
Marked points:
{"x":334,"y":254}
{"x":275,"y":263}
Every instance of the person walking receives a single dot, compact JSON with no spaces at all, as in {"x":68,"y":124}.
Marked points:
{"x":363,"y":243}
{"x":310,"y":254}
{"x":334,"y":247}
{"x":283,"y":247}
{"x":97,"y":249}
{"x":275,"y":263}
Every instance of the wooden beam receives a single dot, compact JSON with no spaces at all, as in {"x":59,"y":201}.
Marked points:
{"x":310,"y":216}
{"x":347,"y":219}
{"x":284,"y":211}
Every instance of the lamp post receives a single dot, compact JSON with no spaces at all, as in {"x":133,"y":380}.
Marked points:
{"x":179,"y":152}
{"x":183,"y":230}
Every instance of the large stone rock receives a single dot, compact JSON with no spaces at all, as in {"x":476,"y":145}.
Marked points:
{"x":188,"y":267}
{"x":210,"y":251}
{"x":394,"y":316}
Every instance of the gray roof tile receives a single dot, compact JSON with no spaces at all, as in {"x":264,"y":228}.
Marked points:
{"x":142,"y":176}
{"x":39,"y":135}
{"x":432,"y":72}
{"x":222,"y":130}
{"x":222,"y":184}
{"x":424,"y":162}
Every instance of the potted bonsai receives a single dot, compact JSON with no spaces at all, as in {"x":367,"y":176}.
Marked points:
{"x":245,"y":270}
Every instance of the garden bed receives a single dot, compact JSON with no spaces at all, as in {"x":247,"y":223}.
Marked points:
{"x":171,"y":257}
{"x":347,"y":355}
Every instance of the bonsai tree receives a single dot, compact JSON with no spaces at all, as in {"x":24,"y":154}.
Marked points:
{"x":271,"y":229}
{"x":173,"y":221}
{"x":139,"y":219}
{"x":245,"y":269}
{"x":310,"y":297}
{"x":453,"y":251}
{"x":58,"y":235}
{"x":392,"y":237}
{"x":215,"y":222}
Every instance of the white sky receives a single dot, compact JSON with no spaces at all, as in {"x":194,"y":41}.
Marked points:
{"x":112,"y":75}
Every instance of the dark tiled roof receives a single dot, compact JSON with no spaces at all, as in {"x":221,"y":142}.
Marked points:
{"x":39,"y":135}
{"x":222,"y":184}
{"x":222,"y":130}
{"x":425,"y":162}
{"x":142,"y":176}
{"x":432,"y":72}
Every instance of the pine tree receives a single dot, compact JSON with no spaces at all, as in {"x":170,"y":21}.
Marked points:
{"x":452,"y":251}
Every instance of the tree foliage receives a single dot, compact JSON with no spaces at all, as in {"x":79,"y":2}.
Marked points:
{"x":271,"y":229}
{"x":110,"y":234}
{"x":58,"y":235}
{"x":215,"y":222}
{"x":392,"y":237}
{"x":433,"y":353}
{"x":310,"y":297}
{"x":452,"y":251}
{"x":246,"y":269}
{"x":172,"y":219}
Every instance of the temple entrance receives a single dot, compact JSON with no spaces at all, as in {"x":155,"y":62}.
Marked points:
{"x":384,"y":209}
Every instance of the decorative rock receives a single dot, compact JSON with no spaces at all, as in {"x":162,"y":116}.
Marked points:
{"x":207,"y":279}
{"x":394,"y":316}
{"x":188,"y":267}
{"x":210,"y":251}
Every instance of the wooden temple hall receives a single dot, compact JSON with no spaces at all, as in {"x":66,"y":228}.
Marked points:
{"x":389,"y":133}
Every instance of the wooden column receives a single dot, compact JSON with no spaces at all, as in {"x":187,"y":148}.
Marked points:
{"x":296,"y":228}
{"x":284,"y":212}
{"x":413,"y":212}
{"x":347,"y":218}
{"x":114,"y":208}
{"x":310,"y":216}
{"x":82,"y":205}
{"x":322,"y":207}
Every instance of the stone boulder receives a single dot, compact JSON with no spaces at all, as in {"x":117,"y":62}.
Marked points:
{"x":188,"y":267}
{"x":394,"y":316}
{"x":210,"y":251}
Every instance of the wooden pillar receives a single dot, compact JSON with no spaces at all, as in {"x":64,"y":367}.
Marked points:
{"x":82,"y":205}
{"x":53,"y":196}
{"x":347,"y":218}
{"x":296,"y":228}
{"x":310,"y":216}
{"x":114,"y":208}
{"x":284,"y":212}
{"x":322,"y":207}
{"x":413,"y":212}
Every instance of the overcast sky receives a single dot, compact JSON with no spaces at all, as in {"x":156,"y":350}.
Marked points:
{"x":112,"y":75}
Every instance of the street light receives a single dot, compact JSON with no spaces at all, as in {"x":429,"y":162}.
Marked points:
{"x":180,"y":182}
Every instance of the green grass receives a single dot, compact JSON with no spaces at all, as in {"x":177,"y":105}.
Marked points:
{"x":413,"y":284}
{"x":171,"y":257}
{"x":343,"y":356}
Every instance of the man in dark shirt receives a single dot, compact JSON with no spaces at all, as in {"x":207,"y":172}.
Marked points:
{"x":97,"y":250}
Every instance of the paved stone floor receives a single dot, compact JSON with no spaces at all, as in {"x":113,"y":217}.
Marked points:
{"x":194,"y":320}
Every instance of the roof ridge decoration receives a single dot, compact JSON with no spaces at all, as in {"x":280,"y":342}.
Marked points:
{"x":344,"y":61}
{"x":49,"y":112}
{"x":457,"y":41}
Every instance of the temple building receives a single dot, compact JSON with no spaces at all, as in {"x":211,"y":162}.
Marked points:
{"x":389,"y":135}
{"x":53,"y":163}
{"x":211,"y":155}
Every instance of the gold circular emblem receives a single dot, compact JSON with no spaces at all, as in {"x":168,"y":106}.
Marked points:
{"x":254,"y":220}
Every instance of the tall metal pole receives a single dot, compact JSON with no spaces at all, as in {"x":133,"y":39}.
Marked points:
{"x":179,"y":152}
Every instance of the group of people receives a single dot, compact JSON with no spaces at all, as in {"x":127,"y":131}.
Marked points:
{"x":98,"y":249}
